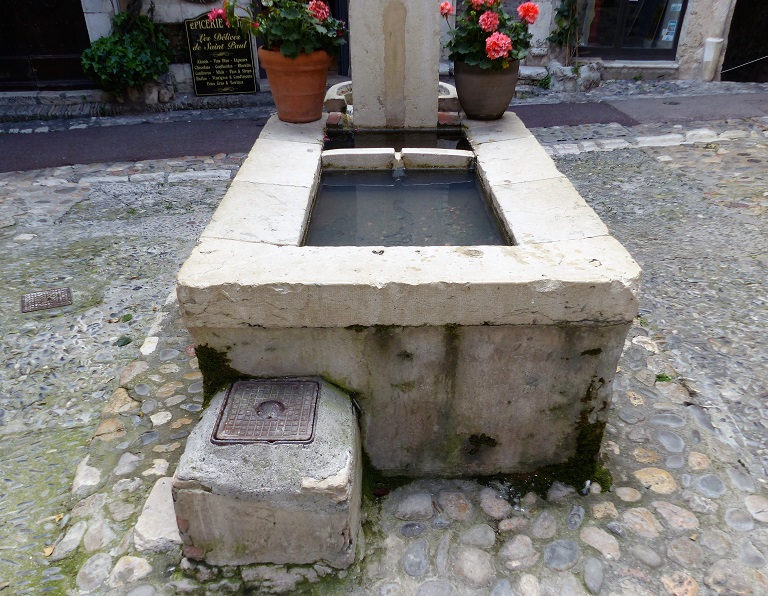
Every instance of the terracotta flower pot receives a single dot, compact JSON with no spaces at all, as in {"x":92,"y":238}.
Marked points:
{"x":297,"y":84}
{"x":485,"y":94}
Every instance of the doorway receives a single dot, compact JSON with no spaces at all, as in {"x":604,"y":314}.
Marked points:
{"x":746,"y":57}
{"x":40,"y":46}
{"x":631,"y":29}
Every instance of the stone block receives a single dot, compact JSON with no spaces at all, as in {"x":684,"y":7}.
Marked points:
{"x":548,"y":210}
{"x":267,"y":161}
{"x":156,"y":528}
{"x":259,"y":212}
{"x":437,"y":158}
{"x":239,"y":504}
{"x":512,"y":161}
{"x":356,"y":159}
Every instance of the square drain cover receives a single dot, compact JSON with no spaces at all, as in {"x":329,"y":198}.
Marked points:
{"x":274,"y":411}
{"x":46,"y":299}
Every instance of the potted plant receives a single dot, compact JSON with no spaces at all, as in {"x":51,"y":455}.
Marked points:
{"x":136,"y":52}
{"x":297,"y":38}
{"x":486,"y":47}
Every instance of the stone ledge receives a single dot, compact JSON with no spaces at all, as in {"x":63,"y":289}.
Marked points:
{"x":227,"y":283}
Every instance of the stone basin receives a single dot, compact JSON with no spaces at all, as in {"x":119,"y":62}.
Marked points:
{"x":463,"y":361}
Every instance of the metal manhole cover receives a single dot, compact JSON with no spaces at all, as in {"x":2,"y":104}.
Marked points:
{"x":46,"y":299}
{"x":268,"y":412}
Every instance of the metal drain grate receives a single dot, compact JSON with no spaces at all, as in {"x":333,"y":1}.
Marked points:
{"x":273,"y":411}
{"x":46,"y":299}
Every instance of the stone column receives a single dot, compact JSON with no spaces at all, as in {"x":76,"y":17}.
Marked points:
{"x":395,"y":54}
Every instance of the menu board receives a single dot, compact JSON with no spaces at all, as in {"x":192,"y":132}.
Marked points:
{"x":221,"y":57}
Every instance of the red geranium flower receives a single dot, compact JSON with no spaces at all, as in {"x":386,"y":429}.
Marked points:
{"x":498,"y":45}
{"x":529,"y":12}
{"x":489,"y":21}
{"x":446,"y":9}
{"x":319,"y":10}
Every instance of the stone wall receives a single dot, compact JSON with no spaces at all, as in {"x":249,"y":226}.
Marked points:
{"x":703,"y":19}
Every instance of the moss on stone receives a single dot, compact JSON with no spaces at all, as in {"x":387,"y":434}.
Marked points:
{"x":217,"y":371}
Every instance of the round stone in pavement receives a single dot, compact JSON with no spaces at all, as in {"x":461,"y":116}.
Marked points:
{"x":518,"y":553}
{"x":750,"y":555}
{"x":741,"y":480}
{"x":758,"y":507}
{"x":685,"y":552}
{"x":415,"y":562}
{"x":435,"y":587}
{"x":671,"y":441}
{"x":631,"y":416}
{"x":493,"y":504}
{"x":481,"y":536}
{"x":93,"y":573}
{"x":628,"y":494}
{"x":575,"y":517}
{"x":675,"y":461}
{"x":739,"y":520}
{"x":142,"y":389}
{"x":671,"y":420}
{"x":647,"y":555}
{"x":415,"y":507}
{"x":473,"y":566}
{"x":710,"y":486}
{"x":545,"y":525}
{"x":413,"y":529}
{"x":593,"y":574}
{"x":168,"y":354}
{"x":561,"y":554}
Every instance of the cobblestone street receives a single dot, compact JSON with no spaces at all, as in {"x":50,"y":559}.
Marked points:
{"x":97,"y":398}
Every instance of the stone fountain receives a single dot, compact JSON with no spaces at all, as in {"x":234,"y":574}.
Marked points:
{"x":453,"y":360}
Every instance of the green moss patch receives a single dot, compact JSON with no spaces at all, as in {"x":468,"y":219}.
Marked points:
{"x":217,"y":371}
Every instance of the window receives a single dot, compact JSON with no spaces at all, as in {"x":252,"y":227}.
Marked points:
{"x":631,"y":29}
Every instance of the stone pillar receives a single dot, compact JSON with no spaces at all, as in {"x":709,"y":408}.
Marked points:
{"x":395,"y":54}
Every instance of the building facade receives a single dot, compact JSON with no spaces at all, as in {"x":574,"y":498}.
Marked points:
{"x":678,"y":39}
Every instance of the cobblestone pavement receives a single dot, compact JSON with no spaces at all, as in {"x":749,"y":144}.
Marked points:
{"x":96,"y":399}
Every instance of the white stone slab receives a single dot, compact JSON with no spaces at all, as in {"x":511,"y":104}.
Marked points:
{"x":436,"y":158}
{"x":514,"y":161}
{"x":548,"y":210}
{"x":351,"y":159}
{"x":507,"y":128}
{"x":669,"y":140}
{"x":261,"y":213}
{"x":281,"y":162}
{"x":310,"y":132}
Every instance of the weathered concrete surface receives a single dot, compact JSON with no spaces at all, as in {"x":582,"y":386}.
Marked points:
{"x":273,"y":503}
{"x":426,"y":392}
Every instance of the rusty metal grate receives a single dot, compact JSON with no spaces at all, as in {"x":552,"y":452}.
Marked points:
{"x":46,"y":299}
{"x":275,"y":411}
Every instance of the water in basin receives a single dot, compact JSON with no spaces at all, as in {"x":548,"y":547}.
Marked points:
{"x":440,"y":138}
{"x":411,"y":208}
